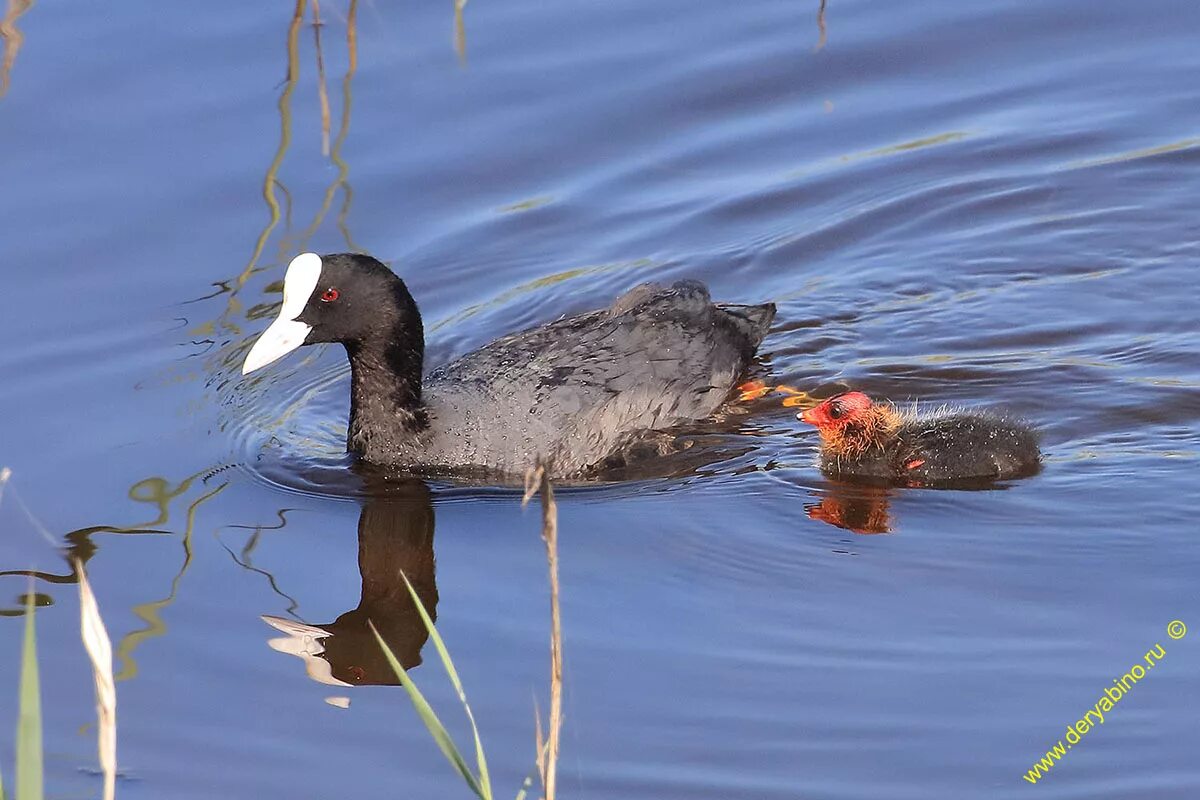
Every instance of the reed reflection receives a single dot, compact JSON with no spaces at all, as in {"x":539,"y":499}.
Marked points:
{"x":395,"y":540}
{"x":79,"y":547}
{"x":224,"y":332}
{"x":823,"y":31}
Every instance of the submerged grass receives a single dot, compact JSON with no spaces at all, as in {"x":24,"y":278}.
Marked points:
{"x":546,"y":761}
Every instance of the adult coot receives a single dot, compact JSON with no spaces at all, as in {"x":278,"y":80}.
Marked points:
{"x":579,"y":393}
{"x":874,"y":440}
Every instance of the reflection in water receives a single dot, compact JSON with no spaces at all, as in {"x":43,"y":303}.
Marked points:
{"x":322,"y":90}
{"x":821,"y":27}
{"x":861,"y":508}
{"x":861,"y":505}
{"x":1134,"y":155}
{"x":278,"y":199}
{"x":149,"y":612}
{"x":341,"y":179}
{"x":899,"y":148}
{"x":270,"y":179}
{"x":395,"y":539}
{"x":242,"y":559}
{"x":460,"y":31}
{"x":79,"y":549}
{"x":13,"y":39}
{"x":540,"y":283}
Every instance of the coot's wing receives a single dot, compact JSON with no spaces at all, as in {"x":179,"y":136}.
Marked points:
{"x":574,"y":389}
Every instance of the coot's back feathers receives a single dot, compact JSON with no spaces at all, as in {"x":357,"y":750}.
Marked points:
{"x":580,"y":388}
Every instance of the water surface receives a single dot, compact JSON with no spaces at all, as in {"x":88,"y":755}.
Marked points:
{"x":975,"y":203}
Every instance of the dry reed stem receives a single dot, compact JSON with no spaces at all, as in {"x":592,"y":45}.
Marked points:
{"x":13,"y":39}
{"x":99,"y":650}
{"x":539,"y":741}
{"x":538,"y":480}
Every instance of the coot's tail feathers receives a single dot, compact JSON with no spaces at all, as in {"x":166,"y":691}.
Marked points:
{"x":691,"y":297}
{"x":752,"y":321}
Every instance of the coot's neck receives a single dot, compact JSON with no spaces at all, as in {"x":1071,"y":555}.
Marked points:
{"x":385,"y":385}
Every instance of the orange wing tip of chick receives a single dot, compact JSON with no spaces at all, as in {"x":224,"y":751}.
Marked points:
{"x":916,"y":462}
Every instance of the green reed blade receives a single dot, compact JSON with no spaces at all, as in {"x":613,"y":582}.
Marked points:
{"x":436,"y":729}
{"x":29,"y":716}
{"x":485,"y":780}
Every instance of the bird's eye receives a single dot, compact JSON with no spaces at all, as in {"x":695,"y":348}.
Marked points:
{"x":330,"y":294}
{"x":835,"y":410}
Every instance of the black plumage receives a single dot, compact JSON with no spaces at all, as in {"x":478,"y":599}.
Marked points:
{"x":860,"y":438}
{"x":576,"y":393}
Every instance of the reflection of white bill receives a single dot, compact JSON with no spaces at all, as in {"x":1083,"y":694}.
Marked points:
{"x":304,"y":642}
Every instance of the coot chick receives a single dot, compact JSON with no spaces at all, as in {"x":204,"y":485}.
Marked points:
{"x":861,"y":438}
{"x":577,"y":393}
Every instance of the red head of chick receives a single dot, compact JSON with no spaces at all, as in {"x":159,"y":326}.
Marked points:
{"x":851,"y":424}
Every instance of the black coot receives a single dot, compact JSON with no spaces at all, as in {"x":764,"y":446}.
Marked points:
{"x":578,"y":392}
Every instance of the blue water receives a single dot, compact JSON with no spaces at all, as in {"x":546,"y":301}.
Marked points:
{"x":972,"y":203}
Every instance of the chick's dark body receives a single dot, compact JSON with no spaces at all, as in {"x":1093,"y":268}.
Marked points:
{"x":944,"y":448}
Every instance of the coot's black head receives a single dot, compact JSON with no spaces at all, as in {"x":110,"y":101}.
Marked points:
{"x":343,"y":297}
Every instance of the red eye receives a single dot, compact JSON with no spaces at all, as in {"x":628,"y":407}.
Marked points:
{"x":329,"y":295}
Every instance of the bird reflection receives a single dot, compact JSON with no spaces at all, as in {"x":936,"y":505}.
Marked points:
{"x":857,"y":507}
{"x":395,"y":540}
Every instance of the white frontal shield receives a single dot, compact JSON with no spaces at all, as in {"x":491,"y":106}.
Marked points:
{"x":285,"y":334}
